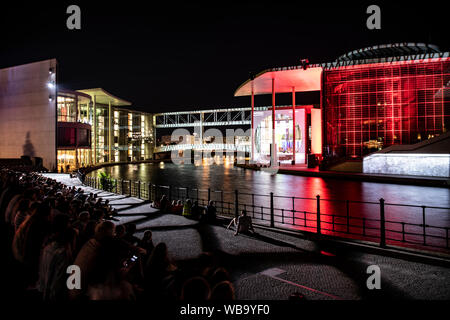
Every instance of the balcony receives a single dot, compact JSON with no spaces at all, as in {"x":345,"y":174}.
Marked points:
{"x":73,"y":135}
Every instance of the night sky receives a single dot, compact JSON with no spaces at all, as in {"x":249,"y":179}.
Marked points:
{"x":187,"y":56}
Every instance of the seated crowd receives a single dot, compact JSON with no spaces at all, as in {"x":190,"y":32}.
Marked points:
{"x":47,"y":227}
{"x":208,"y":214}
{"x":188,"y":209}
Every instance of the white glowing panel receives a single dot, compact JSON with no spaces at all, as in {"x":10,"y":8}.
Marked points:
{"x":316,"y":128}
{"x":415,"y":164}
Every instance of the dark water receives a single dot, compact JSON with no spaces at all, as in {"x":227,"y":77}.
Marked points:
{"x":229,"y":178}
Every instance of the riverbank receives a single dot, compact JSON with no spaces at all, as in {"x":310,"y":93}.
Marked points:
{"x":300,"y":170}
{"x":320,"y":270}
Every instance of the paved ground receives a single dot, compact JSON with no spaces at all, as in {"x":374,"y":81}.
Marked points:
{"x":273,"y":265}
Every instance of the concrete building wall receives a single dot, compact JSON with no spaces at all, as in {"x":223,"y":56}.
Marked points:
{"x":27,"y":115}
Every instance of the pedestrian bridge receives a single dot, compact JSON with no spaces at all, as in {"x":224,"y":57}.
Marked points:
{"x":199,"y":119}
{"x":204,"y":147}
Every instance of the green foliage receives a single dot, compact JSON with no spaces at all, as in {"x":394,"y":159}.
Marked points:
{"x":106,"y":182}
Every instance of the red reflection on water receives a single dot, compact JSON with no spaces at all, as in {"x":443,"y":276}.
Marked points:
{"x":325,"y":253}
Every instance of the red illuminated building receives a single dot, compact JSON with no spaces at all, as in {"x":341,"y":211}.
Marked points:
{"x":370,"y":99}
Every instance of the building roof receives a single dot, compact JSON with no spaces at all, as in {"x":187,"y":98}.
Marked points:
{"x":310,"y":79}
{"x":389,"y":50}
{"x":104,"y":97}
{"x":285,"y":79}
{"x":66,"y":92}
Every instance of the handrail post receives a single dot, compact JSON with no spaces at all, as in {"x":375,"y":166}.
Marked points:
{"x":150,"y":192}
{"x":293,"y":211}
{"x":382,"y":224}
{"x":139,"y":189}
{"x":253,"y":205}
{"x":236,"y":203}
{"x":272,"y":213}
{"x":318,"y":214}
{"x":347,"y":204}
{"x":424,"y":226}
{"x":122,"y":185}
{"x":209,"y":195}
{"x":446,"y":236}
{"x":130,"y":188}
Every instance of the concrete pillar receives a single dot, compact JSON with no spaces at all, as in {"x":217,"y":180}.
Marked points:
{"x":202,"y":117}
{"x":274,"y":155}
{"x":94,"y":143}
{"x":252,"y":129}
{"x":293,"y":125}
{"x":110,"y":130}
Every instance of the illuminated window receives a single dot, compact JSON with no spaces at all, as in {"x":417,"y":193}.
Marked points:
{"x":67,"y":111}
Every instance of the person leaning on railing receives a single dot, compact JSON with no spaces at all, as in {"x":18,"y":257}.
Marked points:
{"x":210,"y":213}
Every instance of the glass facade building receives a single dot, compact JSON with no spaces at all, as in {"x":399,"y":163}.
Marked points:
{"x":73,"y":130}
{"x":370,"y":99}
{"x":372,"y":106}
{"x":94,"y":128}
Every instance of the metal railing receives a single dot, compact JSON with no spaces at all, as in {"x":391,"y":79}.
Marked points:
{"x":382,"y":222}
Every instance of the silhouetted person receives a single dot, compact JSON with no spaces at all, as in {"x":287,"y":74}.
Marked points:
{"x":195,"y":289}
{"x":223,"y":291}
{"x":28,"y":148}
{"x":210,"y":213}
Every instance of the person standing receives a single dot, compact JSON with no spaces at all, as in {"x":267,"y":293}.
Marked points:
{"x":187,"y":209}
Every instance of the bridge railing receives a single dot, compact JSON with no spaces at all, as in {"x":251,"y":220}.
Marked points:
{"x":381,"y":222}
{"x":203,"y":146}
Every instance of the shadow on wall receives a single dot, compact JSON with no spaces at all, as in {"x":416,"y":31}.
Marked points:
{"x":28,"y":148}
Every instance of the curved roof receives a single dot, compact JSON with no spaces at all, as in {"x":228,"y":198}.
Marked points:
{"x":67,"y":92}
{"x":285,"y":79}
{"x":389,"y":50}
{"x":104,"y":97}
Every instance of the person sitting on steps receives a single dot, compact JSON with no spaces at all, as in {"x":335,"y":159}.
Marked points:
{"x":243,"y":224}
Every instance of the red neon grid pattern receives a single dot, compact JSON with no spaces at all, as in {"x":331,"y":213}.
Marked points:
{"x":372,"y":106}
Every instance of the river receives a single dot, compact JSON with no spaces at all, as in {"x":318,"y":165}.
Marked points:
{"x":229,"y":178}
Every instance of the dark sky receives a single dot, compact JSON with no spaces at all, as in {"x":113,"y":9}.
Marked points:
{"x":176,"y":56}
